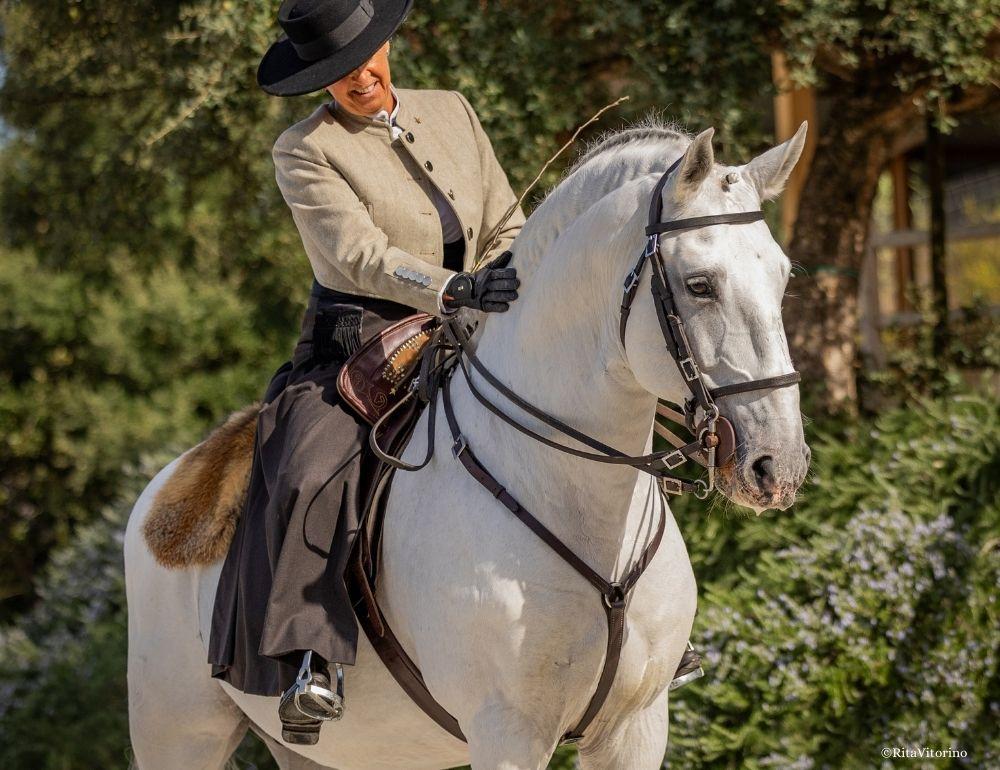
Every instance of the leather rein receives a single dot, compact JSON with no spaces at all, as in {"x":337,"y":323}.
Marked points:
{"x":451,"y":346}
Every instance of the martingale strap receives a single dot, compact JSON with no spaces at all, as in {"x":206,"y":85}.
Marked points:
{"x":614,"y":594}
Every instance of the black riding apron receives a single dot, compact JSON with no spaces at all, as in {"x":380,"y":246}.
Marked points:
{"x":282,"y":590}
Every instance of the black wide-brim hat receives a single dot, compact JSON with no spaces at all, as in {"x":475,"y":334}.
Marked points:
{"x":325,"y":40}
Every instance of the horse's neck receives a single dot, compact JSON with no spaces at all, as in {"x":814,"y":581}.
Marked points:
{"x":553,"y":349}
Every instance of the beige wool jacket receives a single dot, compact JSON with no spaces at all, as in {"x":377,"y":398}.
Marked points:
{"x":363,"y":202}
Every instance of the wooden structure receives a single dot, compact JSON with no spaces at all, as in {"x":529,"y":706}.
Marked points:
{"x":792,"y":105}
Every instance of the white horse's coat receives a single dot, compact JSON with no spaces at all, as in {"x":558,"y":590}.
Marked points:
{"x":509,"y":638}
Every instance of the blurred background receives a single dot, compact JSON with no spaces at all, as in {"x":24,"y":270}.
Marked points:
{"x":151,"y":280}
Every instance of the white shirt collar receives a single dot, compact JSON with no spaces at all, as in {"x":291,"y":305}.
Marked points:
{"x":384,"y":116}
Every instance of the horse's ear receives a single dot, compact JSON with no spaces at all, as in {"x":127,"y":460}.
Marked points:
{"x":770,"y":171}
{"x":695,"y":165}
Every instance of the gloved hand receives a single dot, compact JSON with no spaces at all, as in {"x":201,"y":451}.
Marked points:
{"x":491,"y":288}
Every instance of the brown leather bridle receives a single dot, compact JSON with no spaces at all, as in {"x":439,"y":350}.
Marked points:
{"x":713,"y":427}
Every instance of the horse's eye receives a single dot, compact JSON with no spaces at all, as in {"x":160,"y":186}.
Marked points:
{"x":700,"y":287}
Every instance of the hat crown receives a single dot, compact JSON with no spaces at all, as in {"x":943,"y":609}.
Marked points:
{"x":319,"y":28}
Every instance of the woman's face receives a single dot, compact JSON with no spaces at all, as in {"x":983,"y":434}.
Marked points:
{"x":365,"y":91}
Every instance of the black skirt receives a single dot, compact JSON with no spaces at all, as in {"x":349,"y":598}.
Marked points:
{"x":281,"y":590}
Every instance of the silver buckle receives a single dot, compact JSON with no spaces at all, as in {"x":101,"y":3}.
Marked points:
{"x":652,"y":243}
{"x":631,"y":280}
{"x":674,"y":459}
{"x":459,"y":446}
{"x":690,"y":368}
{"x":671,"y":486}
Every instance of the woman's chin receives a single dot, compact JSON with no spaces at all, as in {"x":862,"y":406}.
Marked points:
{"x":369,"y":103}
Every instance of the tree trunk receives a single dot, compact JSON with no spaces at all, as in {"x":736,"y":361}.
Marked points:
{"x":939,"y":273}
{"x":830,"y":238}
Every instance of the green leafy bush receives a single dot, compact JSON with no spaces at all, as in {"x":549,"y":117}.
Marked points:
{"x":865,"y":618}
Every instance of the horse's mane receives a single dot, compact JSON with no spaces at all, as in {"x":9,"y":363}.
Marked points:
{"x":611,"y":160}
{"x":649,"y":130}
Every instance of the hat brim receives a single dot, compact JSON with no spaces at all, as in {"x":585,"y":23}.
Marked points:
{"x":282,"y":73}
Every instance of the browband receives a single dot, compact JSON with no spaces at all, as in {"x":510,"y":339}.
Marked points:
{"x":737,"y":218}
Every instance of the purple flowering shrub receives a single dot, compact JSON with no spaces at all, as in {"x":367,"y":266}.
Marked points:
{"x":866,"y":618}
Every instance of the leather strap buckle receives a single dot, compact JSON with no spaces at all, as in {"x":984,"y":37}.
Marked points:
{"x":459,"y":446}
{"x":672,"y":486}
{"x":652,"y":244}
{"x":689,"y":368}
{"x":673,"y":460}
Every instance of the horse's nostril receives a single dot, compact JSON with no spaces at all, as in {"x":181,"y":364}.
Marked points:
{"x":763,"y":472}
{"x":808,"y":454}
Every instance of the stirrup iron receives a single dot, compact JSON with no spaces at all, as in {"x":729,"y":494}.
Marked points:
{"x":688,"y":670}
{"x":312,"y":698}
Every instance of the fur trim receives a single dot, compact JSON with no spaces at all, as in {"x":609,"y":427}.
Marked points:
{"x":194,"y":514}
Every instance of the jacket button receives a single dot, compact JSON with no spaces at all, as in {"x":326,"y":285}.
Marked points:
{"x":451,"y":194}
{"x":428,"y":165}
{"x":409,"y":137}
{"x":469,"y":232}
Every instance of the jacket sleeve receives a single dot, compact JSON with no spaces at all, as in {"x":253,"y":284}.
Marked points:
{"x":498,"y":196}
{"x":339,"y":235}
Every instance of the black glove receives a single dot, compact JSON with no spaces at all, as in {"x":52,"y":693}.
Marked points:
{"x":490,"y":289}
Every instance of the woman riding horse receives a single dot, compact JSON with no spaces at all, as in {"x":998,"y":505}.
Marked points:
{"x":395,"y":193}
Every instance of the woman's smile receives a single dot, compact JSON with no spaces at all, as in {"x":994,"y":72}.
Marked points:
{"x":367,"y":91}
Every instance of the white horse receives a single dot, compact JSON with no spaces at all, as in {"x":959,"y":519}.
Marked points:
{"x":509,"y":638}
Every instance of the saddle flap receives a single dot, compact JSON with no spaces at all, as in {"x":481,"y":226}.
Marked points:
{"x":377,"y":375}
